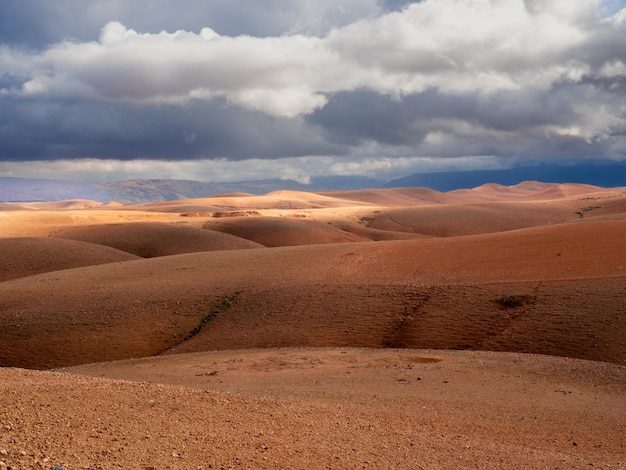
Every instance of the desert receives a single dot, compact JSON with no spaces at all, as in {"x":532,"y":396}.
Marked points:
{"x":379,"y":328}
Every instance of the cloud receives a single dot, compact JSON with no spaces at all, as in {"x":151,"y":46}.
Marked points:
{"x":220,"y":170}
{"x":567,"y":120}
{"x":36,"y":24}
{"x":394,"y":5}
{"x":436,"y":78}
{"x":452,"y":45}
{"x":174,"y":68}
{"x":48,"y":130}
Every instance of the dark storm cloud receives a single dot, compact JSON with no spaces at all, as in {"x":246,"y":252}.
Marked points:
{"x":178,"y":80}
{"x":38,"y":23}
{"x":518,"y":123}
{"x":35,"y":130}
{"x":353,"y":118}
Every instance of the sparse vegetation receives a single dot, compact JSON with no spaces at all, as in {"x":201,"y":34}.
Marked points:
{"x":227,"y":302}
{"x":586,"y":209}
{"x":514,"y":300}
{"x":221,"y":214}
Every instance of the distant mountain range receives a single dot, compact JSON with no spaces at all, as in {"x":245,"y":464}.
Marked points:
{"x":605,"y":175}
{"x":143,"y":190}
{"x":133,"y":191}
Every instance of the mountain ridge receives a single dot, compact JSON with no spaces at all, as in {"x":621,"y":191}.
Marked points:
{"x":14,"y":189}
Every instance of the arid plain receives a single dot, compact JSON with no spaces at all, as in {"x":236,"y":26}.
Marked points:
{"x":383,"y":328}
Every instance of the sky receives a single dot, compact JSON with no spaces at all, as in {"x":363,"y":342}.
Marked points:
{"x":233,"y":90}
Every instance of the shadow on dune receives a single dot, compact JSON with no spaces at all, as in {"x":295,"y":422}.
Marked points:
{"x":153,"y":239}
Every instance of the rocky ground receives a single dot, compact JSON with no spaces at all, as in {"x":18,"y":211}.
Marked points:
{"x":317,"y":408}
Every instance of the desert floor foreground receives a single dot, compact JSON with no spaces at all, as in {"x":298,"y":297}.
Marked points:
{"x":319,"y":408}
{"x":301,"y":330}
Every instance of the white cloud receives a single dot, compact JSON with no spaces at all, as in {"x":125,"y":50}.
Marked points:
{"x":442,"y":78}
{"x":286,"y":102}
{"x":300,"y":169}
{"x":613,"y":69}
{"x":456,"y":46}
{"x":273,"y":75}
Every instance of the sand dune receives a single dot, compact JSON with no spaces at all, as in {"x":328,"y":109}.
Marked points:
{"x":358,"y":223}
{"x":612,"y":208}
{"x":178,"y":207}
{"x":396,"y":197}
{"x":529,"y":191}
{"x":407,"y":274}
{"x":43,"y":223}
{"x":22,"y":257}
{"x":150,"y":239}
{"x":329,"y":295}
{"x":275,"y":231}
{"x":468,"y":219}
{"x":276,"y":200}
{"x":491,"y":192}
